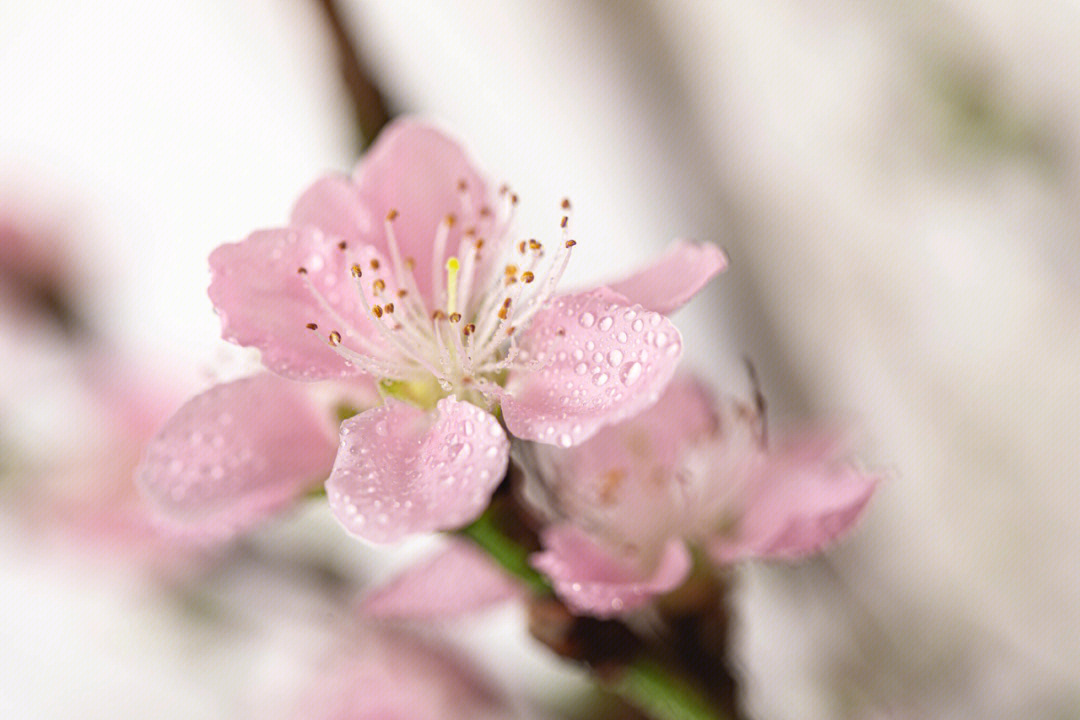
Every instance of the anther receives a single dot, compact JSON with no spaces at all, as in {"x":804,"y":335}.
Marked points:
{"x":511,"y":270}
{"x":502,"y":312}
{"x":335,"y":337}
{"x":513,"y":198}
{"x":469,"y":329}
{"x":521,"y":247}
{"x":391,"y":215}
{"x":379,"y":285}
{"x":301,"y":270}
{"x":485,"y":211}
{"x":534,"y":245}
{"x":450,"y":220}
{"x":527,"y":276}
{"x":402,"y":292}
{"x":410,"y":262}
{"x":462,"y":186}
{"x":503,"y":189}
{"x":342,"y":245}
{"x":389,"y":308}
{"x":374,"y":263}
{"x":571,"y":243}
{"x":455,"y":317}
{"x":356,"y":271}
{"x":312,"y":326}
{"x":376,"y":311}
{"x":565,"y":204}
{"x":564,"y":221}
{"x":438,"y":315}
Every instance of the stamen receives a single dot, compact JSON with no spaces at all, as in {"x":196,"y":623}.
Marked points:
{"x":452,"y":267}
{"x":312,"y":326}
{"x":335,"y":337}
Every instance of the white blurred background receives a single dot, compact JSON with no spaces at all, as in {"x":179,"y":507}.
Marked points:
{"x":897,"y":186}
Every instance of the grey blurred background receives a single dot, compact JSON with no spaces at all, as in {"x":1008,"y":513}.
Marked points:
{"x":896,"y":185}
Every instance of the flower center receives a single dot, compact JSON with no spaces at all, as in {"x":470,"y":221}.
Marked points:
{"x":461,"y":339}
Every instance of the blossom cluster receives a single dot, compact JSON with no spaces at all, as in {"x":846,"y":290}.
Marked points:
{"x":413,"y":343}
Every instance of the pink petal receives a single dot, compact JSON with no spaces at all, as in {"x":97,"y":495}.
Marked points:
{"x":265,"y":303}
{"x":333,"y":206}
{"x":458,"y":580}
{"x":600,"y":361}
{"x":797,"y":504}
{"x":667,"y":284}
{"x":236,"y":454}
{"x":592,"y":582}
{"x":415,"y":169}
{"x":402,"y":470}
{"x":379,"y":674}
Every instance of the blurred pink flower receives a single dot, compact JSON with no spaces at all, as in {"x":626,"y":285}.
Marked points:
{"x":688,"y":472}
{"x":404,"y":272}
{"x":384,"y":674}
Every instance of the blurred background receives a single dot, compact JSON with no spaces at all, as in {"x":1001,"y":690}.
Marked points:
{"x":897,"y":186}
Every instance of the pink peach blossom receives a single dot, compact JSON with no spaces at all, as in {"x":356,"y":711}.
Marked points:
{"x":690,"y":472}
{"x":406,"y":272}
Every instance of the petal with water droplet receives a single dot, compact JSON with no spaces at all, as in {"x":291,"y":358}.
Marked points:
{"x":236,"y":454}
{"x":420,"y":474}
{"x":592,"y":581}
{"x":266,"y":304}
{"x":589,"y":395}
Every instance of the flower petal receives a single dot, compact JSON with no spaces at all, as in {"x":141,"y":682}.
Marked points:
{"x":416,"y":170}
{"x":401,"y":470}
{"x":592,"y":582}
{"x":333,"y":206}
{"x":667,"y":284}
{"x":797,"y":504}
{"x":265,"y":303}
{"x":458,"y":580}
{"x":235,"y":454}
{"x":600,"y":361}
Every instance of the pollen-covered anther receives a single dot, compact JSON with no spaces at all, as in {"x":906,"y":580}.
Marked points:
{"x":521,"y":247}
{"x":378,"y":286}
{"x":565,"y":204}
{"x":527,"y":276}
{"x":391,"y":215}
{"x":356,"y":271}
{"x":455,"y":317}
{"x":389,"y":308}
{"x":312,"y":326}
{"x":301,"y":270}
{"x":377,"y":311}
{"x":402,"y":292}
{"x":469,"y":329}
{"x":374,"y":263}
{"x":343,"y":245}
{"x":335,"y":338}
{"x":511,"y":270}
{"x":535,"y":245}
{"x":565,"y":220}
{"x":571,"y":243}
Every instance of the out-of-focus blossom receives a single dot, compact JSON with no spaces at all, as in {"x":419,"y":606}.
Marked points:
{"x":687,"y":473}
{"x":405,"y":271}
{"x":458,"y":580}
{"x":383,"y":674}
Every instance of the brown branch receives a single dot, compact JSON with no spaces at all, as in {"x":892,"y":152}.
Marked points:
{"x":367,"y":101}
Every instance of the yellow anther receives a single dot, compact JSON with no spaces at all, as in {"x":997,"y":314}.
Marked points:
{"x":335,"y":337}
{"x":356,"y":271}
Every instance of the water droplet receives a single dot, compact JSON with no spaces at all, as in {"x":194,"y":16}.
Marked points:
{"x":605,"y":323}
{"x":672,"y":349}
{"x":638,"y":325}
{"x":615,"y":357}
{"x":630,"y":373}
{"x":492,"y":451}
{"x":600,"y":379}
{"x":661,"y":339}
{"x":630,"y":315}
{"x":578,"y":354}
{"x":565,"y":440}
{"x":589,"y":345}
{"x":621,"y":337}
{"x":586,"y":319}
{"x":654,"y":319}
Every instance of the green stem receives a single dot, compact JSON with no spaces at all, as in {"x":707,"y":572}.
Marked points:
{"x":661,"y":694}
